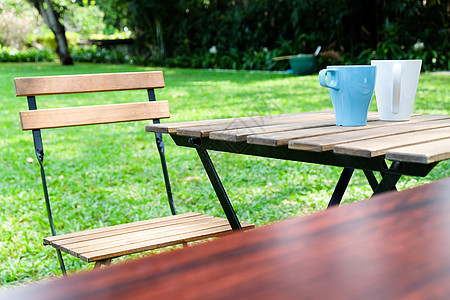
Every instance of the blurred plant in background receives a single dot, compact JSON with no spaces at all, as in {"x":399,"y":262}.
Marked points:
{"x":251,"y":33}
{"x":245,"y":34}
{"x":16,"y":23}
{"x":84,"y":20}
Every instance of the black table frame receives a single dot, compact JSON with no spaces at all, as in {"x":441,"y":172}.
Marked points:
{"x":390,"y":174}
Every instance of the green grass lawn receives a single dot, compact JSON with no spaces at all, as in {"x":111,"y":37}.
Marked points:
{"x":110,"y":174}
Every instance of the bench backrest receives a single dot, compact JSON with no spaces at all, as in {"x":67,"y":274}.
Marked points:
{"x":35,"y":119}
{"x":96,"y":114}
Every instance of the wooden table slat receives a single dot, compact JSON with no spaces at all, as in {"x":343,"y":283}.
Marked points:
{"x":283,"y":138}
{"x":172,"y":127}
{"x":240,"y":134}
{"x":205,"y":130}
{"x":422,"y":153}
{"x":379,"y":146}
{"x":327,"y":142}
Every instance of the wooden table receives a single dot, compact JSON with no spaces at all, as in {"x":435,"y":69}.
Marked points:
{"x":395,"y":246}
{"x":392,"y":148}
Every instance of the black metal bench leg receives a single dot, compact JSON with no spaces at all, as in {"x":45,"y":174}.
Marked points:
{"x":40,"y":157}
{"x":39,"y":150}
{"x":219,"y":189}
{"x":341,"y":187}
{"x":160,"y":146}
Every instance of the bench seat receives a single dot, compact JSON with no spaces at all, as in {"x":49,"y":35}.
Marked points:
{"x":114,"y":241}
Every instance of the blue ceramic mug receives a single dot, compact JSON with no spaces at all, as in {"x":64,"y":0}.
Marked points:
{"x":351,"y":90}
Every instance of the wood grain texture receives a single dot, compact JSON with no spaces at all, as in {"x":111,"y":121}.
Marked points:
{"x":283,"y":138}
{"x":319,"y":128}
{"x":425,"y":153}
{"x":240,"y":134}
{"x":379,"y":146}
{"x":89,"y":115}
{"x":327,"y":142}
{"x":204,"y":131}
{"x":223,"y":124}
{"x":110,"y":242}
{"x":112,"y":230}
{"x":359,"y":251}
{"x":70,"y":84}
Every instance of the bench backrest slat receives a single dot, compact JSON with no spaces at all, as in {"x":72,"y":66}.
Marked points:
{"x":70,"y":84}
{"x":98,"y":114}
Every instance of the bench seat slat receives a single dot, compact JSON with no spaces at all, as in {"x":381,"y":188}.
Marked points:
{"x":89,"y":115}
{"x":144,"y":235}
{"x":163,"y":242}
{"x":87,"y":83}
{"x":165,"y":231}
{"x":117,"y":231}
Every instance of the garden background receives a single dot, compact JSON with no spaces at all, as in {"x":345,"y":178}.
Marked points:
{"x":245,"y":34}
{"x":217,"y":59}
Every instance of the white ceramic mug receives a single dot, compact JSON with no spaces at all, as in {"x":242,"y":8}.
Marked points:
{"x":395,"y":88}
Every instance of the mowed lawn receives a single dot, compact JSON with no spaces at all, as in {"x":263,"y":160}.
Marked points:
{"x":110,"y":174}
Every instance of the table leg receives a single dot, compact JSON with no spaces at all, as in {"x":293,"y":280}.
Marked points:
{"x":371,"y":179}
{"x":389,"y":179}
{"x":341,"y":186}
{"x":394,"y":166}
{"x":219,"y":189}
{"x":387,"y":183}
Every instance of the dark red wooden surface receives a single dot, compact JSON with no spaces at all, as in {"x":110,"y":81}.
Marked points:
{"x":393,"y":246}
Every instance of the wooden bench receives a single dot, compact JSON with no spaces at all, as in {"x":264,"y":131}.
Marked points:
{"x":100,"y":245}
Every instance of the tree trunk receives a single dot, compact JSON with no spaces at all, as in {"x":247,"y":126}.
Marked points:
{"x":46,"y":10}
{"x":159,"y":38}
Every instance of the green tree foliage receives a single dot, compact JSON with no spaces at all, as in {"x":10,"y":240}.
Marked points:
{"x":359,"y":29}
{"x":114,"y":13}
{"x":16,"y":23}
{"x":85,"y":20}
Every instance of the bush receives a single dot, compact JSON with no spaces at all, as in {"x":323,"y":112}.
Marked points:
{"x":432,"y":59}
{"x":8,"y":54}
{"x":16,"y":23}
{"x":244,"y":30}
{"x":99,"y":55}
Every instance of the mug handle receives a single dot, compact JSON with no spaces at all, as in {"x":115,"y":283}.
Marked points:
{"x":397,"y":78}
{"x":323,"y":80}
